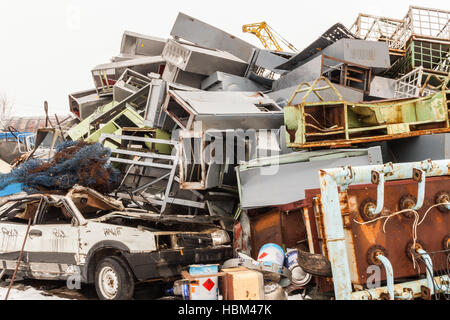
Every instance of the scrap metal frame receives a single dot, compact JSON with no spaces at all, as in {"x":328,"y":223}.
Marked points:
{"x":409,"y":85}
{"x":375,"y":28}
{"x":347,"y":71}
{"x":431,"y":54}
{"x":341,"y":120}
{"x":106,"y":75}
{"x":413,"y":85}
{"x":419,"y":22}
{"x":148,"y":161}
{"x":330,"y":181}
{"x":115,"y":110}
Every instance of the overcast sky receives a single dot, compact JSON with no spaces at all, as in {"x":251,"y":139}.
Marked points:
{"x":48,"y":47}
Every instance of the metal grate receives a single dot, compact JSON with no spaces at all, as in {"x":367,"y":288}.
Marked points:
{"x":369,"y":27}
{"x":409,"y":85}
{"x":433,"y":56}
{"x":419,"y":22}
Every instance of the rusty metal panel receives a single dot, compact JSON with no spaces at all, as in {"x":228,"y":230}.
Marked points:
{"x":285,"y":228}
{"x":399,"y":232}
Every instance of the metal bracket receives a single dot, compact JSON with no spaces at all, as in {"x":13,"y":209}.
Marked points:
{"x":419,"y":176}
{"x":378,"y":178}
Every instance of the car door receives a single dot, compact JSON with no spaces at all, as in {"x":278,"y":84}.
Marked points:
{"x":13,"y":227}
{"x":53,"y":244}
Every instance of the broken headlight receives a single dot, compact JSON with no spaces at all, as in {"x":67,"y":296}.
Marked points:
{"x":220,"y":237}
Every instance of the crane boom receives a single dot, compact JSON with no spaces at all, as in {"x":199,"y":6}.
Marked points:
{"x":267,"y":36}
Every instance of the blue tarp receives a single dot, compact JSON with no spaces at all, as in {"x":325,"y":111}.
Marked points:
{"x":11,"y":189}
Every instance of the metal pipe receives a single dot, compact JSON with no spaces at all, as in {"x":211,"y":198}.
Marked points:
{"x":400,"y":171}
{"x":414,"y":286}
{"x":429,"y":264}
{"x":19,"y":260}
{"x":380,"y":195}
{"x":389,"y":274}
{"x":421,"y":177}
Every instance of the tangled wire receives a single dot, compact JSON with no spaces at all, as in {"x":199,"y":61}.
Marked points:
{"x":441,"y":269}
{"x":74,"y":163}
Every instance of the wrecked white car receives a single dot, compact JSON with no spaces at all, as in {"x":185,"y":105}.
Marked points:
{"x":87,"y":235}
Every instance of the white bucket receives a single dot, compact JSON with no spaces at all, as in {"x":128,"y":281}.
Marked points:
{"x":271,"y":253}
{"x":204,"y":288}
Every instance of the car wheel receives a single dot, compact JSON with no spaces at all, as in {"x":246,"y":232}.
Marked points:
{"x":113,"y":280}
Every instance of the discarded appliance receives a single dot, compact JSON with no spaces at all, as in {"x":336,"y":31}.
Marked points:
{"x":129,"y":83}
{"x":202,"y":61}
{"x":84,"y":103}
{"x":106,"y":75}
{"x":136,"y":44}
{"x":412,"y":85}
{"x":283,"y":179}
{"x":419,"y":21}
{"x":432,"y":55}
{"x":338,"y":71}
{"x":223,"y":110}
{"x":151,"y":177}
{"x":220,"y":81}
{"x":435,"y":147}
{"x":205,"y":35}
{"x":376,"y":28}
{"x":339,"y":123}
{"x":208,"y":158}
{"x":266,"y":62}
{"x":333,"y":34}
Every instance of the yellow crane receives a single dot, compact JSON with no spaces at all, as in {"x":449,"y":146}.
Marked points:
{"x":267,"y":36}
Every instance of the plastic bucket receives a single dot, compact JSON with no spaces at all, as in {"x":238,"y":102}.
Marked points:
{"x":204,"y":288}
{"x":271,"y":253}
{"x":298,"y":276}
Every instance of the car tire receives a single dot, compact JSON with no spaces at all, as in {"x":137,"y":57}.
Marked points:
{"x":113,"y":280}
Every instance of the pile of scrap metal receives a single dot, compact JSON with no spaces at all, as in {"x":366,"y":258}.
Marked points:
{"x":363,"y":226}
{"x":205,"y":124}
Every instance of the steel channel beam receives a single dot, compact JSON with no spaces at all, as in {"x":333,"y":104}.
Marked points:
{"x":400,"y":171}
{"x":335,"y":237}
{"x":140,"y":139}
